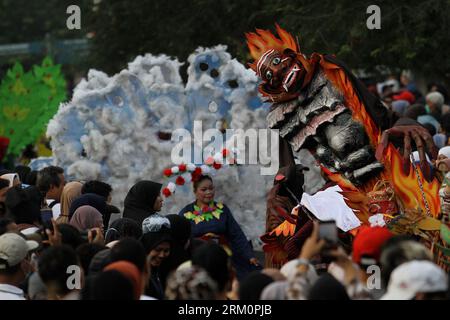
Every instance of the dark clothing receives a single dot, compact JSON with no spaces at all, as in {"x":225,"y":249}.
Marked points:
{"x":155,"y":288}
{"x":140,"y":200}
{"x":227,"y":227}
{"x":180,"y":230}
{"x":93,"y":200}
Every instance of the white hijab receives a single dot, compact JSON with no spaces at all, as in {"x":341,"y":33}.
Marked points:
{"x":445,"y":151}
{"x":10,"y":177}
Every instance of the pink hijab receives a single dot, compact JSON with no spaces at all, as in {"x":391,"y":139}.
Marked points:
{"x":86,"y":217}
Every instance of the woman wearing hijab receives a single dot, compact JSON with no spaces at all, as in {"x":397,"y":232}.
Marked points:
{"x":71,"y":191}
{"x":4,"y":186}
{"x":93,"y":200}
{"x":213,"y":221}
{"x":157,"y":241}
{"x":123,"y":228}
{"x":87,"y":217}
{"x":180,"y":251}
{"x":143,"y":200}
{"x":13,"y":179}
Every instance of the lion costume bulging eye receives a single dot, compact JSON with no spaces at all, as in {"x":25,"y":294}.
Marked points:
{"x":269,"y":75}
{"x":276,"y":61}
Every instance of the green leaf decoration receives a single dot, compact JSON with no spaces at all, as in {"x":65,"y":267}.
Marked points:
{"x":28,"y":100}
{"x":197,"y":208}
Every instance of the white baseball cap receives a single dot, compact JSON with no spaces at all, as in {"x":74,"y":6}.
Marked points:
{"x":413,"y":277}
{"x":14,"y":249}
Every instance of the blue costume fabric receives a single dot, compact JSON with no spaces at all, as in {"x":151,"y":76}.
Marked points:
{"x":226,"y":226}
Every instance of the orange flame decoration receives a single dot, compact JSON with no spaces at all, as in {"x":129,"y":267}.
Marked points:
{"x":263,"y":40}
{"x":406,"y":186}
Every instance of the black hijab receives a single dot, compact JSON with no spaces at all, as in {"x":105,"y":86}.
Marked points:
{"x":140,"y":200}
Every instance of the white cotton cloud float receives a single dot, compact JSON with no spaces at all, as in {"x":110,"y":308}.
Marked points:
{"x":111,"y":129}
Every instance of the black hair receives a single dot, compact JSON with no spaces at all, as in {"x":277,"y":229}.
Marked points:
{"x":53,"y":265}
{"x":131,"y":250}
{"x":251,"y":287}
{"x":392,"y":255}
{"x":23,"y":172}
{"x":445,"y":122}
{"x":109,"y":285}
{"x":431,"y":129}
{"x":48,"y":177}
{"x":24,"y":205}
{"x":3,"y":183}
{"x":98,"y":187}
{"x":31,"y":178}
{"x":123,"y":228}
{"x":86,"y":252}
{"x":70,"y":235}
{"x":200,"y":179}
{"x":8,"y":271}
{"x":213,"y":258}
{"x":414,"y":111}
{"x":4,"y":223}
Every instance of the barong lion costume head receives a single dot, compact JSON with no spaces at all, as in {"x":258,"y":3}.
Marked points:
{"x":279,"y":63}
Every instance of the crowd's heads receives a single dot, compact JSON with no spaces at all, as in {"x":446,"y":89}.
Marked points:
{"x":157,"y":246}
{"x":86,"y":253}
{"x":191,"y":283}
{"x":144,"y":195}
{"x":70,"y":192}
{"x":131,"y":250}
{"x":53,"y":266}
{"x":7,"y":225}
{"x":14,"y":250}
{"x":435,"y":100}
{"x":12,"y":178}
{"x":367,"y":245}
{"x":24,"y":205}
{"x":70,"y":235}
{"x":327,"y":288}
{"x":98,"y":187}
{"x":123,"y":228}
{"x":180,"y":228}
{"x":51,"y":181}
{"x":4,"y":186}
{"x":418,"y":279}
{"x":213,"y":258}
{"x":131,"y":272}
{"x":87,"y":217}
{"x":251,"y":287}
{"x":398,"y":250}
{"x":110,"y":285}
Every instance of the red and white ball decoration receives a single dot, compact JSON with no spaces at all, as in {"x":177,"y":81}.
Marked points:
{"x":185,"y":173}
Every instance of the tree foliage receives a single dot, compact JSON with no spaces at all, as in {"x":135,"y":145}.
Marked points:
{"x":414,"y":34}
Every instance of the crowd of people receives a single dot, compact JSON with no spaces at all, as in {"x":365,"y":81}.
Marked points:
{"x":64,"y":240}
{"x":57,"y":242}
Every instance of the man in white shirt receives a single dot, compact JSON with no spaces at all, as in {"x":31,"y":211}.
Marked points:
{"x":50,"y":182}
{"x":14,"y":265}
